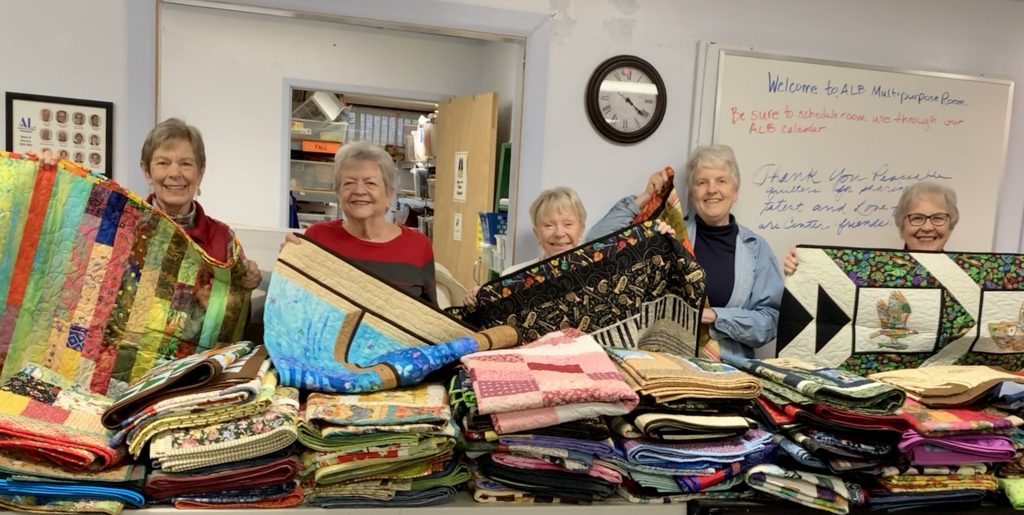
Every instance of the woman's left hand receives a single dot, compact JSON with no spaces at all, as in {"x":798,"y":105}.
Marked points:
{"x":664,"y":228}
{"x":708,"y":316}
{"x":252,"y":275}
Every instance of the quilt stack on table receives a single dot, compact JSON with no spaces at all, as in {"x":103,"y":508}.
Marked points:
{"x":97,"y":285}
{"x":869,"y":310}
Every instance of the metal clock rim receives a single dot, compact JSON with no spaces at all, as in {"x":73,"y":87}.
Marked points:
{"x":593,"y":92}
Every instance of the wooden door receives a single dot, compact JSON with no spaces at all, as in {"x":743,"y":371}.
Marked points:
{"x":466,"y":137}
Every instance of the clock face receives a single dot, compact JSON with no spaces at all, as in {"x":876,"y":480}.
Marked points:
{"x":628,"y":99}
{"x":625,"y":99}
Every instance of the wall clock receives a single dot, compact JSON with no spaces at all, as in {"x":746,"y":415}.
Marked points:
{"x":625,"y":99}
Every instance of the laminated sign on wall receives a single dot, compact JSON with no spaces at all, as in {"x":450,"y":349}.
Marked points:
{"x":461,"y":172}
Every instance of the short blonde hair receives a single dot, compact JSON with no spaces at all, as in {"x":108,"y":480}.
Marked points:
{"x":557,"y":199}
{"x":713,"y":156}
{"x":172,"y":129}
{"x":352,"y":154}
{"x":921,"y":189}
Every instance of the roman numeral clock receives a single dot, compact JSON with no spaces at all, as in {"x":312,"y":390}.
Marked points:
{"x":625,"y":99}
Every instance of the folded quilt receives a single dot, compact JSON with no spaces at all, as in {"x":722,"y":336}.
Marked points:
{"x":631,"y":493}
{"x":951,"y":501}
{"x":312,"y":437}
{"x":70,"y":491}
{"x":255,"y":397}
{"x":126,"y":475}
{"x":329,"y":468}
{"x":561,"y":377}
{"x":412,"y":498}
{"x":421,"y":404}
{"x":671,"y":426}
{"x":596,"y":448}
{"x":489,"y":491}
{"x":1008,"y":396}
{"x":593,"y":429}
{"x":948,"y":386}
{"x":332,"y":327}
{"x":933,"y":470}
{"x":939,"y":422}
{"x":857,"y":447}
{"x":179,"y":450}
{"x":809,"y":418}
{"x":667,"y":377}
{"x":939,"y":483}
{"x":800,"y":455}
{"x":826,"y":385}
{"x":956,"y":449}
{"x":289,"y":499}
{"x":732,"y":472}
{"x":598,"y":471}
{"x":98,"y":285}
{"x":45,"y":417}
{"x":189,"y":374}
{"x":161,"y":485}
{"x":818,"y":491}
{"x":727,"y":450}
{"x":553,"y":483}
{"x":32,"y":504}
{"x":860,"y":421}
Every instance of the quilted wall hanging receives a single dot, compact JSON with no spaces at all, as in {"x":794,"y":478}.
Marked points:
{"x":870,"y":310}
{"x":613,"y":287}
{"x":98,"y":286}
{"x":333,"y":327}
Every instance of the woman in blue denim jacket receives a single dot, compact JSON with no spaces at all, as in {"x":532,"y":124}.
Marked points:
{"x":744,"y":285}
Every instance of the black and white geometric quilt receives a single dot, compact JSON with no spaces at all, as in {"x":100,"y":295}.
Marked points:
{"x":869,"y":310}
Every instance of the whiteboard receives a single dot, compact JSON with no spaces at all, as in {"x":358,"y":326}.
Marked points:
{"x":825,"y":148}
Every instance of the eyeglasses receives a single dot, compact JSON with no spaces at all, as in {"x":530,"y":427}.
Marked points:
{"x":918,"y":219}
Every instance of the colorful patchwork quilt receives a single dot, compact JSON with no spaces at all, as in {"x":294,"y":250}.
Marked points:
{"x":98,"y":286}
{"x":332,"y":327}
{"x":869,"y":310}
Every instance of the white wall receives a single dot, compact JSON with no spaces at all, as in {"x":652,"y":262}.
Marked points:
{"x":110,"y":59}
{"x":973,"y":37}
{"x":228,"y":73}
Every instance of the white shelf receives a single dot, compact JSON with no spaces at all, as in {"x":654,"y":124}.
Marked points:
{"x":463,"y":503}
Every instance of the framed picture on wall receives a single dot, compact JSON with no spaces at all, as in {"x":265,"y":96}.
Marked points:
{"x":74,"y":129}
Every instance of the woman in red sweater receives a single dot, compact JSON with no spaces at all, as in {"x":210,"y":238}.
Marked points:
{"x":365,"y":182}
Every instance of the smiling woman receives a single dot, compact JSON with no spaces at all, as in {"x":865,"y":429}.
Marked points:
{"x":174,"y":162}
{"x":365,"y":177}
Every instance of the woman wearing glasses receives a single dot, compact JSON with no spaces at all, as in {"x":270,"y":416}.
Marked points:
{"x":925,"y":216}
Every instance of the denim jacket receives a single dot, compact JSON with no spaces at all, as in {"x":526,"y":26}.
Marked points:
{"x":751,"y":317}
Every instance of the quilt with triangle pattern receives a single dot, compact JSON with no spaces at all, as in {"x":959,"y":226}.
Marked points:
{"x":869,"y":310}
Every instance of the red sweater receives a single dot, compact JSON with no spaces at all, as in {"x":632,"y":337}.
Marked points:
{"x":406,"y":262}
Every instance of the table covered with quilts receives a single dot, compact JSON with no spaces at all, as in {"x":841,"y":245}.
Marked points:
{"x":576,"y":385}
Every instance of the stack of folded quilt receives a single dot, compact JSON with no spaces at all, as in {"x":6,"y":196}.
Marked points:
{"x":819,"y":491}
{"x":209,"y":420}
{"x":560,"y":463}
{"x":688,"y":438}
{"x":387,"y":448}
{"x":55,"y":454}
{"x":544,"y":436}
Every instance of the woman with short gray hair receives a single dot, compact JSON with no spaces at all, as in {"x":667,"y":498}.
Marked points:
{"x":365,"y":183}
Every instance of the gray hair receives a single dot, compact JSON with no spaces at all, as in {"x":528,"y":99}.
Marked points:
{"x":914,"y":192}
{"x":712,"y":156}
{"x":356,"y":152}
{"x":561,"y":198}
{"x":174,"y":129}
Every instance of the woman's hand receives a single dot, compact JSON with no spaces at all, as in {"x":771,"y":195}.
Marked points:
{"x":655,"y":182}
{"x":470,"y":299}
{"x":664,"y":228}
{"x":46,"y":158}
{"x":252,"y":277}
{"x":789,"y":265}
{"x":289,"y":238}
{"x":708,"y":316}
